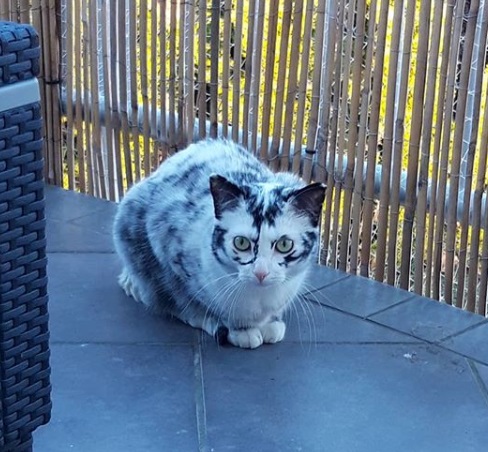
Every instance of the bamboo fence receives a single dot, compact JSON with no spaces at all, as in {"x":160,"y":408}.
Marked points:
{"x":384,"y":101}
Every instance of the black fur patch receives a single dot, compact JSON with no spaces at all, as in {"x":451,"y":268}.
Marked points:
{"x":308,"y":242}
{"x":218,"y":238}
{"x":178,"y":261}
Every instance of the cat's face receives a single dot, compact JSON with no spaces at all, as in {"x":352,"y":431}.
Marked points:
{"x":265,"y":234}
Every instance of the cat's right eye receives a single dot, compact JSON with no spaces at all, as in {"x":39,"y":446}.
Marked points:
{"x":242,"y":243}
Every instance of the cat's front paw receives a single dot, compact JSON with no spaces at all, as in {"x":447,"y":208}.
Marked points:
{"x":249,"y":338}
{"x":273,"y":332}
{"x":128,"y":285}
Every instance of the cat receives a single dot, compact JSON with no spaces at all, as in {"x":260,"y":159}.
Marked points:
{"x":216,"y":239}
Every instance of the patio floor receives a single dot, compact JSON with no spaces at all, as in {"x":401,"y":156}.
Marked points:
{"x":363,"y":367}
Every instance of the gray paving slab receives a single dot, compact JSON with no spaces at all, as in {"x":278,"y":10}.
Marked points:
{"x":66,"y":205}
{"x":427,"y":319}
{"x":65,"y":237}
{"x":321,"y":276}
{"x":87,"y":305}
{"x":120,"y":398}
{"x":342,"y":398}
{"x":360,"y":296}
{"x":472,"y":343}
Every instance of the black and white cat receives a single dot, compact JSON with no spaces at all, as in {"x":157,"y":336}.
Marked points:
{"x":216,"y":239}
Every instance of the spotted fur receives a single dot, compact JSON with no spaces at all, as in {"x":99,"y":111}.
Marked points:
{"x":176,"y":230}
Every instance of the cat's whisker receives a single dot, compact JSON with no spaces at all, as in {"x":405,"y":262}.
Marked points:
{"x":304,"y":304}
{"x":214,"y":301}
{"x":195,"y":295}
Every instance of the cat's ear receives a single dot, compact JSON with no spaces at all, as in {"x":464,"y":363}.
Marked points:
{"x":308,"y":200}
{"x":226,"y":195}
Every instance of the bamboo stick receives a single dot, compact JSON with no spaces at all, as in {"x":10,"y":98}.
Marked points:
{"x":414,"y":146}
{"x":481,"y":305}
{"x":327,"y":71}
{"x":273,"y":160}
{"x":292,"y":85}
{"x":24,"y":11}
{"x":333,"y":37}
{"x":248,"y":72}
{"x":172,"y":74}
{"x":269,"y":78}
{"x":373,"y":139}
{"x":353,"y":132}
{"x":444,"y":149}
{"x":162,"y":77}
{"x":342,"y":127}
{"x":226,"y":66}
{"x":311,"y":138}
{"x":86,"y":116}
{"x":214,"y":66}
{"x":398,"y":147}
{"x":146,"y":126}
{"x":357,"y":198}
{"x":432,"y":267}
{"x":99,"y":164}
{"x":384,"y":203}
{"x":202,"y":68}
{"x":133,"y":12}
{"x":426,"y":142}
{"x":469,"y":303}
{"x":180,"y":75}
{"x":4,"y":11}
{"x":255,"y":86}
{"x":122,"y":71}
{"x":107,"y":81}
{"x":236,"y":92}
{"x":190,"y":70}
{"x":474,"y":304}
{"x":302,"y":87}
{"x":76,"y":69}
{"x":457,"y":146}
{"x":114,"y":6}
{"x":46,"y":80}
{"x":55,"y":88}
{"x":70,"y":150}
{"x":330,"y":237}
{"x":155,"y":62}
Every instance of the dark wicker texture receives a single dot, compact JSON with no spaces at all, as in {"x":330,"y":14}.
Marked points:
{"x":25,"y":387}
{"x":19,"y":52}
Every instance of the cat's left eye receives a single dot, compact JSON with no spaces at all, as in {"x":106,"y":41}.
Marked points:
{"x":242,"y":243}
{"x":284,"y":245}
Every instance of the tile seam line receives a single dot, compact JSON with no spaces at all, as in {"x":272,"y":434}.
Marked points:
{"x":381,"y":311}
{"x":342,"y":278}
{"x":93,"y":213}
{"x":121,"y":344}
{"x":81,"y":252}
{"x":467,"y":329}
{"x":478,"y":380}
{"x":417,"y":339}
{"x":200,"y":409}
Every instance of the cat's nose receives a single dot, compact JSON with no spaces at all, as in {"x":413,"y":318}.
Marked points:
{"x":261,"y":275}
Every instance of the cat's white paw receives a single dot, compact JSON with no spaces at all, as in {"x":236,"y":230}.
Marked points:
{"x":250,"y":338}
{"x":273,"y":332}
{"x":128,"y":286}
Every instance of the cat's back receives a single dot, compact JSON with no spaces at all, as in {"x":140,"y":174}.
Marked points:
{"x":193,"y":166}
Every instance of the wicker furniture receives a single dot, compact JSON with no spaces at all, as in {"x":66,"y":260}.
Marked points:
{"x":24,"y":350}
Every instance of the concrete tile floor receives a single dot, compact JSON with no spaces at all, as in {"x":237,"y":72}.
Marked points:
{"x":364,"y":367}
